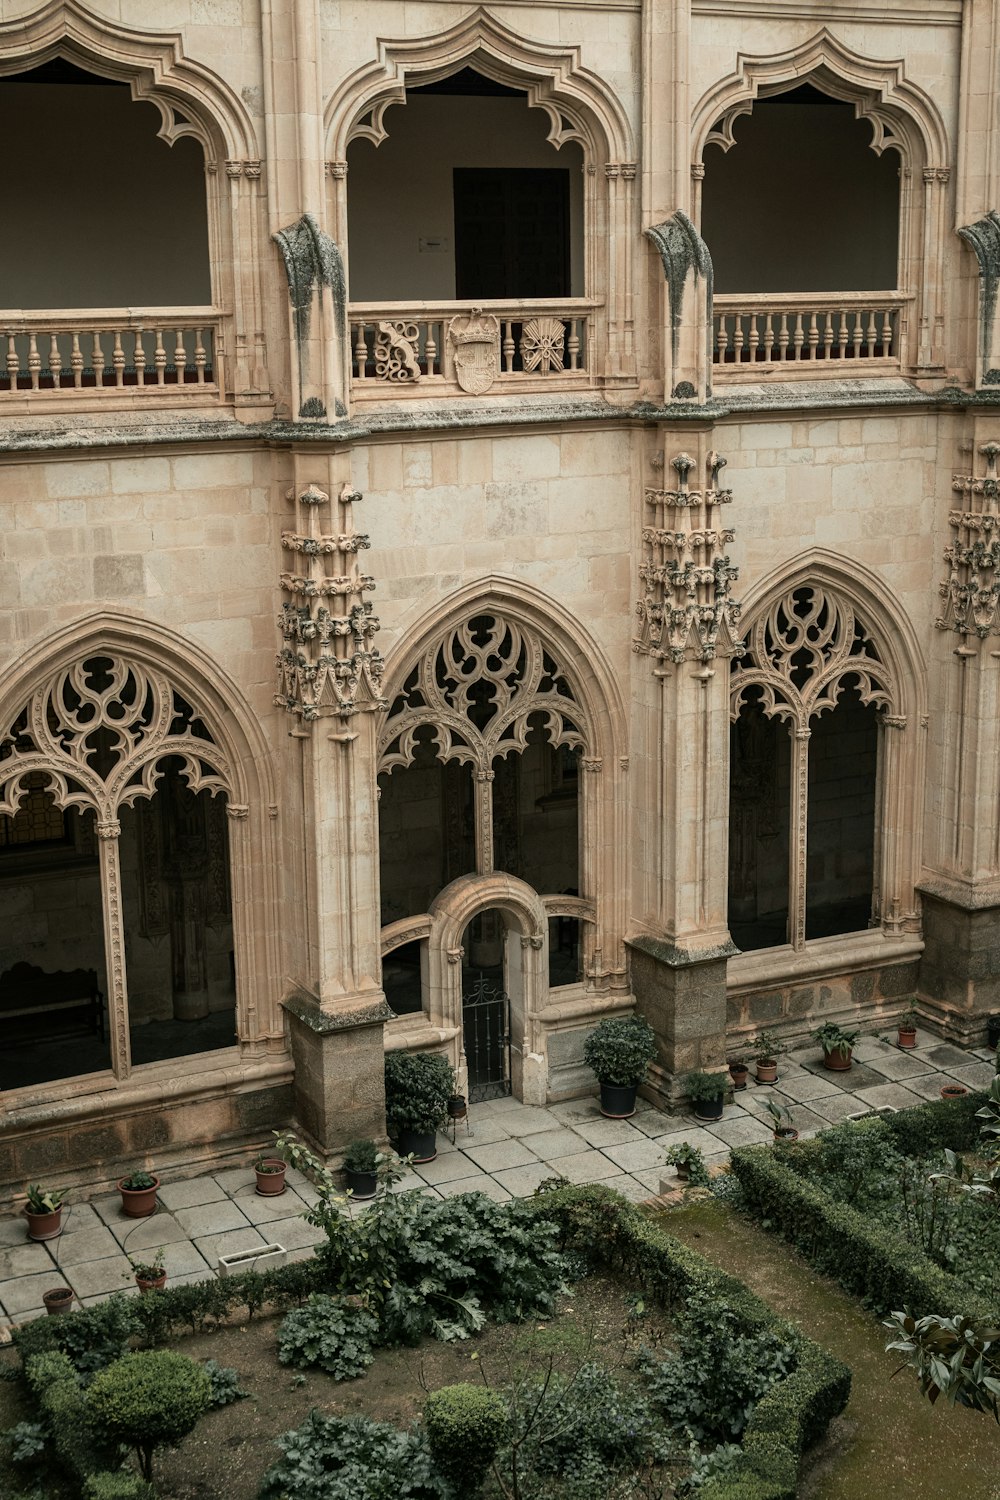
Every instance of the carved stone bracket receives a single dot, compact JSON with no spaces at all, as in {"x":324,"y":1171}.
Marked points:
{"x":984,"y":239}
{"x":972,"y":589}
{"x":687,"y":270}
{"x":687,"y":612}
{"x":327,"y":664}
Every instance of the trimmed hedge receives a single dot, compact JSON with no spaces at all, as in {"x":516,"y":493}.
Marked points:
{"x":612,"y":1233}
{"x":875,"y":1263}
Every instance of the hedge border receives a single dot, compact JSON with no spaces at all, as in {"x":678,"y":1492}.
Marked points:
{"x":875,"y":1263}
{"x":613,"y":1233}
{"x":610,"y":1232}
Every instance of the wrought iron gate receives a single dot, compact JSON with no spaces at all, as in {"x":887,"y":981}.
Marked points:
{"x":486,"y":1037}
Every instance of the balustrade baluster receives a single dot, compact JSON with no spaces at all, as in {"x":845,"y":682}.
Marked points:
{"x":360,"y":351}
{"x":34,"y":361}
{"x":798,"y":338}
{"x":857,"y":334}
{"x":160,"y":358}
{"x":573,"y":342}
{"x":508,"y":346}
{"x":722,"y":341}
{"x":738,"y":337}
{"x":180,"y":356}
{"x":200,"y":355}
{"x":76,"y":362}
{"x":430,"y":345}
{"x":843,"y":335}
{"x":13,"y":363}
{"x":55,"y":360}
{"x":828,"y":336}
{"x":754,"y":338}
{"x":139,"y":358}
{"x":783,"y":337}
{"x":872,"y":334}
{"x":97,"y":358}
{"x":887,"y":333}
{"x":768,"y":338}
{"x":813,"y":336}
{"x":118,"y":358}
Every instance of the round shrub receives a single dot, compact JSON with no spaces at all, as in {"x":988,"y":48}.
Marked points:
{"x":465,"y":1426}
{"x":330,"y":1334}
{"x":620,"y":1049}
{"x":418,"y":1086}
{"x":149,"y":1400}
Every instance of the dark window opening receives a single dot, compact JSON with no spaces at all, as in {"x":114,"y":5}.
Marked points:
{"x":511,"y":232}
{"x":401,"y":979}
{"x":843,"y":757}
{"x":759,"y":789}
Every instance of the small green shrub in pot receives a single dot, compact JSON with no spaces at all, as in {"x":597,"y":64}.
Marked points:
{"x":707,"y":1092}
{"x":465,"y":1426}
{"x":418,"y":1086}
{"x":765,"y":1048}
{"x":689,"y":1163}
{"x":837,"y":1045}
{"x":618,"y":1052}
{"x":361,"y":1164}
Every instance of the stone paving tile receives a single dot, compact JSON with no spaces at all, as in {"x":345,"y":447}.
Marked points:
{"x":78,"y":1217}
{"x":694,"y":1136}
{"x":447,"y":1168}
{"x":94,"y":1278}
{"x":858,"y":1076}
{"x":868,"y":1047}
{"x":928,"y":1085}
{"x":25,"y":1258}
{"x":806,"y":1121}
{"x":192,"y":1193}
{"x":261,"y":1209}
{"x":506,"y":1105}
{"x":652,"y":1179}
{"x":294,"y":1234}
{"x":572,"y":1110}
{"x":756,"y":1105}
{"x":585,"y":1166}
{"x":126,"y":1291}
{"x":551,"y":1144}
{"x":887,"y":1096}
{"x":521,"y":1182}
{"x":484,"y":1133}
{"x":210,"y":1218}
{"x":88,"y":1244}
{"x":901,"y":1065}
{"x":182,"y":1260}
{"x":212,"y":1246}
{"x":605,"y":1132}
{"x":946,"y":1057}
{"x":527,"y":1123}
{"x":835,"y":1108}
{"x":14,"y":1231}
{"x":24,"y":1295}
{"x":160,"y":1228}
{"x":502,"y":1156}
{"x":481,"y":1184}
{"x":629,"y":1187}
{"x":236,"y":1180}
{"x":977,"y":1075}
{"x":653,"y":1124}
{"x":634,"y":1155}
{"x":745,"y":1132}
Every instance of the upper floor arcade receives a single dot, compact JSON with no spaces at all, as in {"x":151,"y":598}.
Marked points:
{"x":491,"y":204}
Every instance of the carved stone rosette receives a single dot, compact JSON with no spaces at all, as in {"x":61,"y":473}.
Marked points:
{"x":327,"y":664}
{"x":687,"y":611}
{"x":972,"y":589}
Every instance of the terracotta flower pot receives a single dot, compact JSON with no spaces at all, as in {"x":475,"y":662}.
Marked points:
{"x":138,"y":1203}
{"x":739,"y":1072}
{"x":907,"y":1036}
{"x":838,"y":1059}
{"x":151,"y":1283}
{"x":58,"y":1300}
{"x":767,"y":1071}
{"x":44,"y":1226}
{"x":271,"y":1177}
{"x":786,"y":1133}
{"x":954,"y":1091}
{"x":618,"y":1100}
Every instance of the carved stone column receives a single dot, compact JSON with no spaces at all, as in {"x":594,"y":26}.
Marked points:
{"x":108,"y":834}
{"x":687,"y":309}
{"x":329,"y":680}
{"x":960,"y":968}
{"x":687,"y":632}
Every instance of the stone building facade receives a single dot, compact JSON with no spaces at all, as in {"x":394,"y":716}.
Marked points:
{"x":500,"y":528}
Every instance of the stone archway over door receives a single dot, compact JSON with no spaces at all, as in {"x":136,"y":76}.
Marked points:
{"x":525,"y":968}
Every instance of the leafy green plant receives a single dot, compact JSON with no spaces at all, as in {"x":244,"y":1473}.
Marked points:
{"x":909,"y":1020}
{"x":361,"y":1156}
{"x":418,"y":1086}
{"x":766,"y":1047}
{"x":44,"y":1200}
{"x":225,"y":1384}
{"x":138,"y":1182}
{"x":465,"y":1425}
{"x":781,"y":1117}
{"x":148,"y":1270}
{"x":834,"y":1038}
{"x":329,"y":1334}
{"x":951,"y":1357}
{"x":721,"y":1463}
{"x":267,"y":1166}
{"x":118,"y":1485}
{"x":149,"y":1400}
{"x":353,"y":1458}
{"x":620,"y":1049}
{"x":704,"y":1087}
{"x":690,"y":1160}
{"x":90,"y":1338}
{"x":27,"y":1441}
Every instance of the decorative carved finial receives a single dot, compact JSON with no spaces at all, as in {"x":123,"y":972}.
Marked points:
{"x":972,"y":589}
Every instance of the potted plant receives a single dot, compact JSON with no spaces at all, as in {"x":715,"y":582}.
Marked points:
{"x":781,"y":1117}
{"x":907,"y":1028}
{"x":707,"y":1092}
{"x":270,"y":1172}
{"x":361,"y":1162}
{"x":58,"y":1300}
{"x":418,"y":1086}
{"x":689,"y":1164}
{"x":993,"y":1032}
{"x":138,"y":1194}
{"x":954,"y":1091}
{"x":618,"y":1051}
{"x":766,"y":1047}
{"x":43,"y":1212}
{"x":739,"y":1072}
{"x":837,"y":1045}
{"x":150,"y":1275}
{"x":457,"y":1107}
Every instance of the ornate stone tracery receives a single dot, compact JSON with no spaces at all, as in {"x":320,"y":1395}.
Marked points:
{"x":972,"y":589}
{"x":687,"y":610}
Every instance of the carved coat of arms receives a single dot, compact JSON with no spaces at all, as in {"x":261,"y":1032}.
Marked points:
{"x":476,"y":346}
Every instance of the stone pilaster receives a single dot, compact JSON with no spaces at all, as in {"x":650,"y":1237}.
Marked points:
{"x":687,"y":632}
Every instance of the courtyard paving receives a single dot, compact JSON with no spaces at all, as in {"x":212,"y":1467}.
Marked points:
{"x":511,"y":1148}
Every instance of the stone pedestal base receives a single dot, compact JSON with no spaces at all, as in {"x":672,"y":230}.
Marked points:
{"x":959,"y":979}
{"x":683,"y":997}
{"x":339,"y":1071}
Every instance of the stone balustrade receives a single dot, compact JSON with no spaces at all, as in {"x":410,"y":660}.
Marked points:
{"x":421,"y":348}
{"x":803,"y":330}
{"x":108,"y":350}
